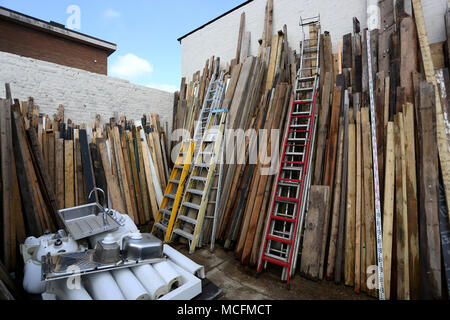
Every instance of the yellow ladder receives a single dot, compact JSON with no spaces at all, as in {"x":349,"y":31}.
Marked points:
{"x":189,"y":222}
{"x":169,"y":206}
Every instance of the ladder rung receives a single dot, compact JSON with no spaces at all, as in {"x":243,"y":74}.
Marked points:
{"x":194,"y":191}
{"x":191,"y":205}
{"x":278,"y":239}
{"x":275,"y":261}
{"x":305,"y":89}
{"x":294,"y":154}
{"x":307,"y":79}
{"x":202,"y":179}
{"x":294,"y":201}
{"x":293,"y":162}
{"x":183,"y":234}
{"x":302,"y":117}
{"x":170,"y":196}
{"x":179,"y":167}
{"x":303,"y":102}
{"x":161,"y":226}
{"x":283,"y":219}
{"x":299,"y":131}
{"x":310,"y":49}
{"x":296,"y":145}
{"x":292,"y":168}
{"x":188,"y":220}
{"x":291,"y":180}
{"x":174,"y":181}
{"x":165,"y":211}
{"x":301,"y":114}
{"x":202,"y":165}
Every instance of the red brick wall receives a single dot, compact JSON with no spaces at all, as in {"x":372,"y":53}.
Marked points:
{"x":36,"y":44}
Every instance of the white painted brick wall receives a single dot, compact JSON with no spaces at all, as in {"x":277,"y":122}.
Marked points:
{"x":83,"y":94}
{"x":220,"y":38}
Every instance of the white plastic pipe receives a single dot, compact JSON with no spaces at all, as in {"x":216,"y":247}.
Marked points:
{"x":102,"y":286}
{"x":170,"y":276}
{"x":151,"y":280}
{"x":64,"y":293}
{"x":184,"y":262}
{"x":130,"y":286}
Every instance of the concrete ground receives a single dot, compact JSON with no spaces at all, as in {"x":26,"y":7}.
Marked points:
{"x":238,"y":282}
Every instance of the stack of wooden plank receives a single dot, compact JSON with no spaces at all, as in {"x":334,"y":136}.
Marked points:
{"x":53,"y":164}
{"x":410,"y":98}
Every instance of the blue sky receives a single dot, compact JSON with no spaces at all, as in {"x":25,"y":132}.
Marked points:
{"x":145,"y":32}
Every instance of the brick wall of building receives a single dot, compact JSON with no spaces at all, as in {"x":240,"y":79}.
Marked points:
{"x":28,"y":42}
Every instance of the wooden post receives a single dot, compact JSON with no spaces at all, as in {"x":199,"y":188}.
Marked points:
{"x":388,"y":214}
{"x":430,"y":249}
{"x":401,"y":211}
{"x":318,"y":206}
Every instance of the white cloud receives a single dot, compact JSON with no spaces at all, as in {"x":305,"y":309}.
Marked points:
{"x":164,"y":87}
{"x":130,"y":66}
{"x":111,"y":14}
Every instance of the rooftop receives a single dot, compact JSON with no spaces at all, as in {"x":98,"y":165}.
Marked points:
{"x":56,"y":29}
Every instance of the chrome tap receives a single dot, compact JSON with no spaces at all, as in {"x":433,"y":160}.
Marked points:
{"x":103,"y":208}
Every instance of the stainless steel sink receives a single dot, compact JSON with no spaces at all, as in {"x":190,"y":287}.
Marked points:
{"x":88,"y":220}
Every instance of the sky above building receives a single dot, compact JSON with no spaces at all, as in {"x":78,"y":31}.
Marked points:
{"x":145,"y":31}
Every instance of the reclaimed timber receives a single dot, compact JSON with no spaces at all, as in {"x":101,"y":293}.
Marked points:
{"x":240,"y":36}
{"x":444,"y":152}
{"x":369,"y":208}
{"x":323,"y":130}
{"x":148,"y":175}
{"x":401,"y":210}
{"x":117,"y":201}
{"x":330,"y":165}
{"x":137,"y":186}
{"x":412,"y":209}
{"x":336,"y":204}
{"x":311,"y":253}
{"x":358,"y":218}
{"x":121,"y":172}
{"x":409,"y":58}
{"x":44,"y":182}
{"x":81,"y":194}
{"x":59,"y":173}
{"x":88,"y":170}
{"x":339,"y":269}
{"x":69,"y":192}
{"x":130,"y":181}
{"x":350,"y":233}
{"x":141,"y":172}
{"x":7,"y":180}
{"x":99,"y":173}
{"x":388,"y":208}
{"x":429,"y":250}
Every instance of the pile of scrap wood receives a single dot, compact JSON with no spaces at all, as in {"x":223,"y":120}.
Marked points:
{"x":258,"y":97}
{"x":410,"y":100}
{"x":48,"y":165}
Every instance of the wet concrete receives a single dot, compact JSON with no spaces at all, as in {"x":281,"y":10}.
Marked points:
{"x":238,"y":282}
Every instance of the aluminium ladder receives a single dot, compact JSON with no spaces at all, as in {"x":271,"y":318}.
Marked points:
{"x":174,"y":191}
{"x":190,"y":218}
{"x":165,"y":218}
{"x":284,"y":224}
